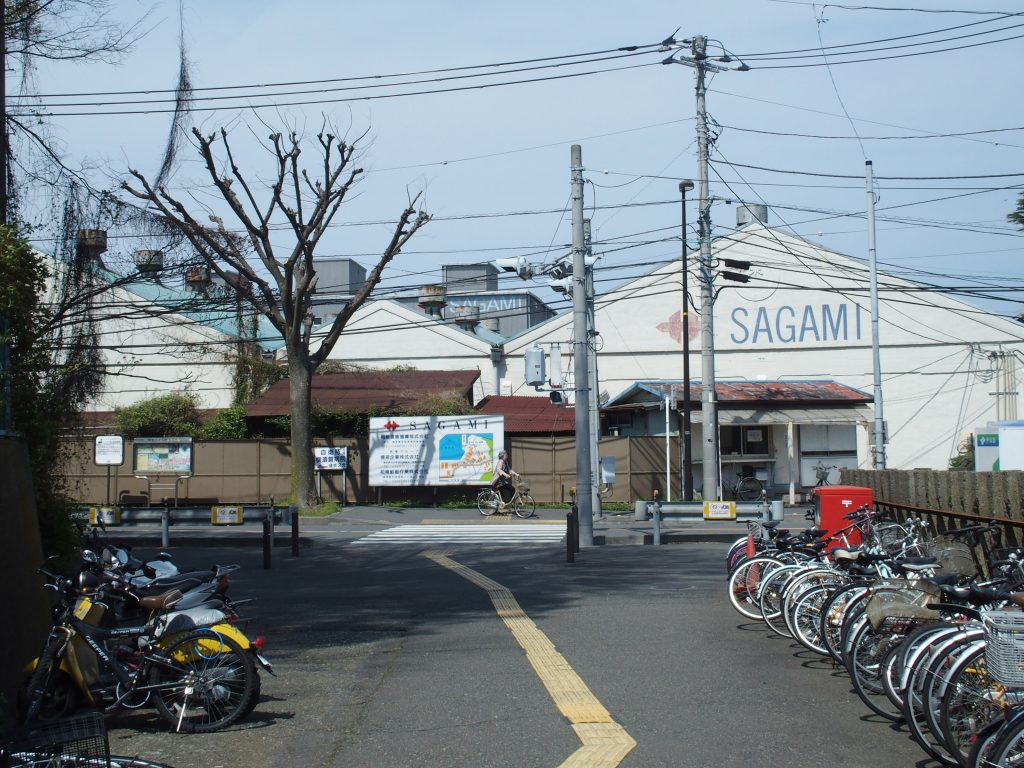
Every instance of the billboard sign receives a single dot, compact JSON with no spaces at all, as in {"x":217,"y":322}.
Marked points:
{"x":434,"y":450}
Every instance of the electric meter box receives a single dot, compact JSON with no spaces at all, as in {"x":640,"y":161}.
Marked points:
{"x":535,"y":367}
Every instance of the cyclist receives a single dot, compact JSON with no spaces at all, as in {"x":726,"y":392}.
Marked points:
{"x":501,"y":478}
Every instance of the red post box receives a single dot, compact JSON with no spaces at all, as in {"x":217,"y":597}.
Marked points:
{"x":832,"y":503}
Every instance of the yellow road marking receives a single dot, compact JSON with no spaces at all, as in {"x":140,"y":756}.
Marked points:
{"x":605,"y":742}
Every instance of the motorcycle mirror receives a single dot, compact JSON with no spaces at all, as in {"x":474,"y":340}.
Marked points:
{"x":122,"y":557}
{"x":89,"y":556}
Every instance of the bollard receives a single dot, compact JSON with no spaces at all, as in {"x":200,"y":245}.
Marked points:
{"x":570,"y":549}
{"x":268,"y":529}
{"x":165,"y":522}
{"x":295,"y":530}
{"x":656,"y":513}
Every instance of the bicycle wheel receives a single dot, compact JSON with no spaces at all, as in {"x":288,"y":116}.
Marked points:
{"x":487,"y":502}
{"x":748,"y":489}
{"x":868,"y":648}
{"x":49,"y":693}
{"x":970,"y":701}
{"x":1008,"y":746}
{"x":524,"y":506}
{"x":743,"y":584}
{"x":204,"y":682}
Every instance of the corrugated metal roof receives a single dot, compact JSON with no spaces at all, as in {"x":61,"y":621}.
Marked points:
{"x":530,"y":415}
{"x":810,"y":391}
{"x":358,"y":392}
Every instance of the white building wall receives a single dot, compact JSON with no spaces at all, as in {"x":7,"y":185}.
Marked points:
{"x":385,"y":334}
{"x":809,"y":318}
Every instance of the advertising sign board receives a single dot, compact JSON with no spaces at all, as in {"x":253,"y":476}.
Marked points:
{"x":434,"y":450}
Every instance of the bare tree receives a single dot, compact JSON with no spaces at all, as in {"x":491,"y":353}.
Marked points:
{"x":281,"y":287}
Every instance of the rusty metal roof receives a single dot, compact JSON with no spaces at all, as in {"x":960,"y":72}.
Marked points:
{"x":359,"y":392}
{"x":809,"y":392}
{"x":530,"y":415}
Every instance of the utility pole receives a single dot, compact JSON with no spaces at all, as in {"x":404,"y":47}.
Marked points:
{"x":701,"y":64}
{"x":876,"y":357}
{"x":595,"y":397}
{"x":581,"y":346}
{"x":684,"y":186}
{"x":711,"y":489}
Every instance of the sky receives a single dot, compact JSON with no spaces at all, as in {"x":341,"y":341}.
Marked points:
{"x":491,"y":162}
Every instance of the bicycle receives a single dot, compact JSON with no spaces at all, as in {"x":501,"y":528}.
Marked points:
{"x":521,"y":503}
{"x":746,"y":487}
{"x":200,"y":680}
{"x":821,"y":472}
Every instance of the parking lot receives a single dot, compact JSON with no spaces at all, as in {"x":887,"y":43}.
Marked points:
{"x":386,"y":658}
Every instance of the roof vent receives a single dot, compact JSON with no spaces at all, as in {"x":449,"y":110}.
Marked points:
{"x":433,"y":299}
{"x":745,"y":214}
{"x":467,"y":316}
{"x":198,"y":278}
{"x":149,"y":262}
{"x":90,"y":243}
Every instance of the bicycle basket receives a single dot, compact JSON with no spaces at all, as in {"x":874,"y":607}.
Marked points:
{"x":1004,"y":646}
{"x":82,"y":737}
{"x":954,"y":557}
{"x":523,"y":487}
{"x":899,"y":609}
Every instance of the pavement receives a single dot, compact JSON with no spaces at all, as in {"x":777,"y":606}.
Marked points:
{"x":609,"y":529}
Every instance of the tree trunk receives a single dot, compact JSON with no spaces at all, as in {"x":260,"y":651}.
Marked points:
{"x":302,"y":430}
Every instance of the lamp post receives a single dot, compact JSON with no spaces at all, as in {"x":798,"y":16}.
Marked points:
{"x":685,"y":186}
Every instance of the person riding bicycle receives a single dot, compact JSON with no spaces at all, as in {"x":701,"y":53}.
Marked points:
{"x":501,"y":478}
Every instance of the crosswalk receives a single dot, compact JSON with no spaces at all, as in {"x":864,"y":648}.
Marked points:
{"x":481,"y":534}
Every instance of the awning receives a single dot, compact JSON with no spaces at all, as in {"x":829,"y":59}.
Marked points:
{"x":841,"y":415}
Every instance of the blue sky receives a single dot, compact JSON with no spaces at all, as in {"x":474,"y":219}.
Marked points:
{"x":492,"y":163}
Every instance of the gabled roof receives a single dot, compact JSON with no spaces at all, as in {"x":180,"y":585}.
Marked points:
{"x":810,"y":392}
{"x":359,"y":392}
{"x":530,"y":415}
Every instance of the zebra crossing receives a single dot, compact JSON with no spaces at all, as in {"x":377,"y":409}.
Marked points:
{"x":480,"y":534}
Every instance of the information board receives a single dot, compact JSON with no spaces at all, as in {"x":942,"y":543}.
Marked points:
{"x":327,"y":458}
{"x":109,"y":450}
{"x":162,"y":455}
{"x":434,"y":450}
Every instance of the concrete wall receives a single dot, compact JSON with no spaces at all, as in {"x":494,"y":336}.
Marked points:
{"x":25,"y":630}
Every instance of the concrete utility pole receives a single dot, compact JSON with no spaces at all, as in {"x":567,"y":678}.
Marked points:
{"x":876,"y":357}
{"x":581,"y":346}
{"x":711,"y":490}
{"x":685,"y":186}
{"x":595,"y":396}
{"x":700,"y":62}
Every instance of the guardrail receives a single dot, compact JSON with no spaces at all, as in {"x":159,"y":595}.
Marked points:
{"x":657,"y":511}
{"x":219,"y":515}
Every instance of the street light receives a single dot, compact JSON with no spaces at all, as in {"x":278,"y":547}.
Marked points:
{"x":684,"y":187}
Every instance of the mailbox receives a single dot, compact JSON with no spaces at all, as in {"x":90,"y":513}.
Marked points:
{"x":832,"y":503}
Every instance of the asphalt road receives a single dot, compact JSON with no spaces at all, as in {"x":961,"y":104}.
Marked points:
{"x":385,"y":658}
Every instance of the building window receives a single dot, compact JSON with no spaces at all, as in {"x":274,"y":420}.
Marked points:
{"x":744,"y":440}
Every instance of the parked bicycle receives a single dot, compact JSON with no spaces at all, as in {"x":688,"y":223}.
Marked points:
{"x":200,"y":680}
{"x":521,"y":503}
{"x":822,"y":472}
{"x":746,"y":487}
